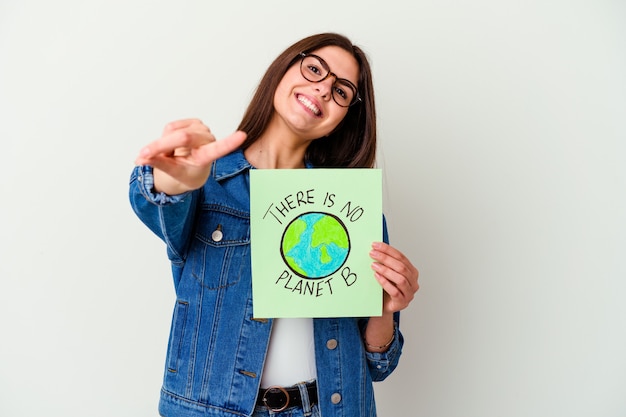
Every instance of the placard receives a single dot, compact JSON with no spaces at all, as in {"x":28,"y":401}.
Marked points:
{"x":311,"y":234}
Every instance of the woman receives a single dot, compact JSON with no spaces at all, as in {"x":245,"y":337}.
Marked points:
{"x":313,"y":108}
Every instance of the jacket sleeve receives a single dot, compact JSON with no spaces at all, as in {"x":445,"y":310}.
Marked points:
{"x":169,"y":217}
{"x":382,"y":364}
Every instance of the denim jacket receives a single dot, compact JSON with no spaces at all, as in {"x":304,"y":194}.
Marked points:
{"x":216,"y":350}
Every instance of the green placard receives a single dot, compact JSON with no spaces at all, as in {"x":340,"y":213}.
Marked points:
{"x":311,"y":234}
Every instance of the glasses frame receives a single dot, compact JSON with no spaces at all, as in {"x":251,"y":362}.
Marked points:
{"x":357,"y":97}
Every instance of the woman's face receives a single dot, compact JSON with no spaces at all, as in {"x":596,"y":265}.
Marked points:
{"x":308,"y":108}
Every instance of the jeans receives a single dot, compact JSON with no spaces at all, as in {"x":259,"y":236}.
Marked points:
{"x":261,"y":411}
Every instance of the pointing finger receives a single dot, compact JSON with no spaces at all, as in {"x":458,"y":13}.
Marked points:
{"x":217,"y":149}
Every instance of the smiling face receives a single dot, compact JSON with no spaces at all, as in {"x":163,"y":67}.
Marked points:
{"x":307,"y":108}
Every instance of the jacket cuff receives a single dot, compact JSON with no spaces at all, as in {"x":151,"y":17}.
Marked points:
{"x":145,"y":177}
{"x":384,"y":362}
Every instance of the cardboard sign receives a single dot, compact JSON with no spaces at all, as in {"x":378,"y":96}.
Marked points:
{"x":311,"y":234}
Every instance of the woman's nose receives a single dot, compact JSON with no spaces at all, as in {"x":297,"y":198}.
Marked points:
{"x":325,"y":87}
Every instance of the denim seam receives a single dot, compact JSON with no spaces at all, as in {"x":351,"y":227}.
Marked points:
{"x":193,"y":349}
{"x":166,"y":237}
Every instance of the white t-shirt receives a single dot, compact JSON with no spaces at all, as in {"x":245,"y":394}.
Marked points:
{"x":291,"y":354}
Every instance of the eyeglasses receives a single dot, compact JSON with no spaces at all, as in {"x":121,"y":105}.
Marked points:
{"x":315,"y":69}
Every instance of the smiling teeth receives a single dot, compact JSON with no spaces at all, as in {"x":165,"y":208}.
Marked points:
{"x":309,"y":105}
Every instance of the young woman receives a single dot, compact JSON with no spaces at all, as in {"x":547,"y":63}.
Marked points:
{"x":313,"y":108}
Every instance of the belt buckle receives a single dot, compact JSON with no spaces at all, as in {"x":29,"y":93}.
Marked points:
{"x":276,"y":389}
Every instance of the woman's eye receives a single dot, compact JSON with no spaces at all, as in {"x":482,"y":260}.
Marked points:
{"x":341,"y":92}
{"x":315,"y":70}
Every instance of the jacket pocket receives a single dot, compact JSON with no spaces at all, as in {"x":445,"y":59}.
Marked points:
{"x":220,"y":251}
{"x":177,"y":335}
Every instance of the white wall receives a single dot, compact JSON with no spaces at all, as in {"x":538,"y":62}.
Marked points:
{"x":503,"y":140}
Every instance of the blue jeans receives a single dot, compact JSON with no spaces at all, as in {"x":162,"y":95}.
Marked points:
{"x":289,"y":412}
{"x":307,"y":410}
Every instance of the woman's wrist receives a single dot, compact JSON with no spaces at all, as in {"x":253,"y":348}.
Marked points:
{"x":379,"y":333}
{"x":164,"y":183}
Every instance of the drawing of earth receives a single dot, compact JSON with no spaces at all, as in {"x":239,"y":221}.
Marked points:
{"x":315,"y":245}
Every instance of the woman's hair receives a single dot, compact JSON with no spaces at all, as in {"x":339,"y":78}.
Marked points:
{"x":352,"y":144}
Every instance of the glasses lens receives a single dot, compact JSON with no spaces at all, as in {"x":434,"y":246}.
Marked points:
{"x":314,"y":70}
{"x":343,"y":93}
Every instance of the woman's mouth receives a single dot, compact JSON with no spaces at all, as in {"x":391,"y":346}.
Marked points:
{"x":309,"y":105}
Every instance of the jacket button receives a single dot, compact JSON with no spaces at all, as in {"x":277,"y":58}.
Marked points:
{"x":331,"y":344}
{"x":217,"y":234}
{"x":335,"y":398}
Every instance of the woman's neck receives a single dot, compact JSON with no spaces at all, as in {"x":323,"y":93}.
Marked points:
{"x":274,"y":150}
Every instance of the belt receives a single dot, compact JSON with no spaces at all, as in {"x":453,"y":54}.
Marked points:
{"x":277,"y":398}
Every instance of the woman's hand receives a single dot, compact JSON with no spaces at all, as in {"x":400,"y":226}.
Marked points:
{"x":398,"y":277}
{"x":183,"y":155}
{"x":396,"y":274}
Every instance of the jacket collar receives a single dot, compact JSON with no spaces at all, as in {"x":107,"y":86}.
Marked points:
{"x":234,"y":163}
{"x":230,"y":165}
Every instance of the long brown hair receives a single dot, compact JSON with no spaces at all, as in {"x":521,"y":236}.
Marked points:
{"x":352,"y":144}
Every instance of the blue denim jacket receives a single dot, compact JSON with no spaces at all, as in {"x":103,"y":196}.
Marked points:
{"x":216,"y":349}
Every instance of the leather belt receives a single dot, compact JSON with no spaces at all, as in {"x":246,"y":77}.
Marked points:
{"x":277,"y":398}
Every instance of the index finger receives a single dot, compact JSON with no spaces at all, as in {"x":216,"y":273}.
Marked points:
{"x":388,"y":250}
{"x":219,"y":148}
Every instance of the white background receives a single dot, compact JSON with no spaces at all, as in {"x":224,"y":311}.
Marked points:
{"x":503,"y":139}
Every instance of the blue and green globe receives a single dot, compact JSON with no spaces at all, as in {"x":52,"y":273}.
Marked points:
{"x":315,"y":245}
